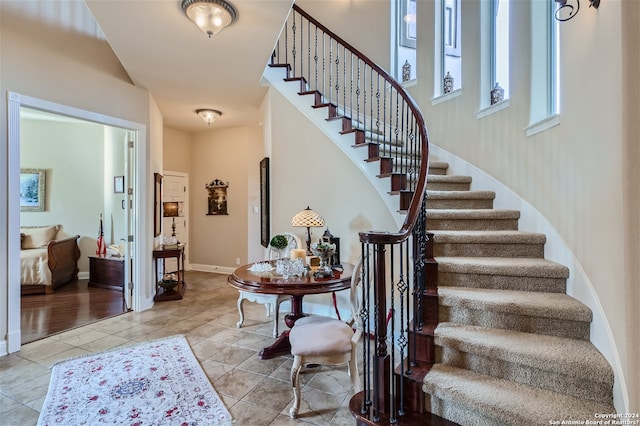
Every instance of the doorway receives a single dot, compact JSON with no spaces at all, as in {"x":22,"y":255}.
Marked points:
{"x":175,"y":188}
{"x":100,"y":173}
{"x":136,"y":201}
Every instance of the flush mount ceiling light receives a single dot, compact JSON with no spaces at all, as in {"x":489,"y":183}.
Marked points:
{"x":208,"y":115}
{"x":211,"y":16}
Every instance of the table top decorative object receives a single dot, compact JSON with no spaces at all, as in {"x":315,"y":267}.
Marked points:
{"x":324,"y":251}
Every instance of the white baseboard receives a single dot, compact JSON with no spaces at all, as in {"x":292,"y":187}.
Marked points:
{"x":211,"y":268}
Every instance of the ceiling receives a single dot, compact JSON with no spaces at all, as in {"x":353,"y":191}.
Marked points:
{"x":165,"y":53}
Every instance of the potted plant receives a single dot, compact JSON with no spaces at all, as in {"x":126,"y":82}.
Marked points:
{"x":279,"y":243}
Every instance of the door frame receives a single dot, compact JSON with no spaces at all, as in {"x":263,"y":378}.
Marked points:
{"x":140,"y":170}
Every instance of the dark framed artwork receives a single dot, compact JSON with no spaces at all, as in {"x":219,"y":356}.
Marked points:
{"x":157,"y":204}
{"x":264,"y":202}
{"x":32,"y":190}
{"x":217,"y":197}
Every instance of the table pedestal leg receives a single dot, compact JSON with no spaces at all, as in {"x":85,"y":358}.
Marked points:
{"x":282,"y":346}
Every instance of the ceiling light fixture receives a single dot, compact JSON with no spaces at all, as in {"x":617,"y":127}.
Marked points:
{"x":211,"y":16}
{"x":208,"y":115}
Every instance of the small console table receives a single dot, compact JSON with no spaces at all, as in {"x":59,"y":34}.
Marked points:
{"x":106,"y":272}
{"x":160,"y":255}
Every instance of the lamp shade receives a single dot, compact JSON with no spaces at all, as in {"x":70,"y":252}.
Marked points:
{"x":211,"y":16}
{"x":307,"y":218}
{"x":208,"y":115}
{"x":171,"y":209}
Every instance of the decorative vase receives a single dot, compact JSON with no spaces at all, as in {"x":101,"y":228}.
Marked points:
{"x":324,"y":251}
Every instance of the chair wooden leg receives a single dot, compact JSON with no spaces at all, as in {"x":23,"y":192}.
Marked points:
{"x":353,"y":373}
{"x":295,"y":383}
{"x":240,"y":299}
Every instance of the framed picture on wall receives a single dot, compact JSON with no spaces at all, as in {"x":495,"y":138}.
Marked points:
{"x":264,"y":202}
{"x":32,"y":190}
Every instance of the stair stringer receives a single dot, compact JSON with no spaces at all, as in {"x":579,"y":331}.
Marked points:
{"x":556,"y":249}
{"x":274,"y":77}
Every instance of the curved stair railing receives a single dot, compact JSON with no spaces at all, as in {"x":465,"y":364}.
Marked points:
{"x":399,"y":273}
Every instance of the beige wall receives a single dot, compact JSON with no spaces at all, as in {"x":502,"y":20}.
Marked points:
{"x":226,"y":154}
{"x":363,"y":24}
{"x":571,"y":173}
{"x":176,"y":147}
{"x":72,"y":67}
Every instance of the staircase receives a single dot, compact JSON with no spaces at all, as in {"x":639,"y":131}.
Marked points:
{"x":512,"y":348}
{"x":489,"y":335}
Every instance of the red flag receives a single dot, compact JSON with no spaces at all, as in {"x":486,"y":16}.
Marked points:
{"x":102,"y":248}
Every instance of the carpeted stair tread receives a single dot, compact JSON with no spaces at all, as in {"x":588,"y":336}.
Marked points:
{"x":485,"y":237}
{"x":517,"y":267}
{"x":571,"y":357}
{"x":471,"y":214}
{"x":528,"y":303}
{"x":449,"y":179}
{"x":469,"y":195}
{"x":507,"y":402}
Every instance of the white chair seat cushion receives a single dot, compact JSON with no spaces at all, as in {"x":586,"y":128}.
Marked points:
{"x":317,"y":335}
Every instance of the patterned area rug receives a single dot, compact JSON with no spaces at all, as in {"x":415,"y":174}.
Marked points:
{"x":153,"y":383}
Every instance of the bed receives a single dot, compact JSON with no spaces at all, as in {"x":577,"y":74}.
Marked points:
{"x":46,"y":262}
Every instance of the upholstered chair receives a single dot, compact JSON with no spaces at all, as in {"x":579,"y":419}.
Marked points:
{"x":327,"y":341}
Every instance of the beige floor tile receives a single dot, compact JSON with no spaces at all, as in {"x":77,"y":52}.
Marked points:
{"x":22,"y":372}
{"x":260,"y":366}
{"x":245,"y":413}
{"x":318,"y":407}
{"x":43,"y":349}
{"x":254,"y":341}
{"x":7,"y":404}
{"x":227,"y":335}
{"x":79,"y":337}
{"x":214,"y":369}
{"x":71,"y":353}
{"x":27,"y":391}
{"x":334,"y":380}
{"x":206,"y":349}
{"x":237,"y":383}
{"x":20,"y":416}
{"x":207,"y":330}
{"x":273,"y":394}
{"x":108,"y":342}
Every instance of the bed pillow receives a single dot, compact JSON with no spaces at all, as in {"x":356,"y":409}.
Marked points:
{"x":38,"y":237}
{"x":22,"y":237}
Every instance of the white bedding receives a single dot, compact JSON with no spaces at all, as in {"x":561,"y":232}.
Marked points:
{"x":33,"y":267}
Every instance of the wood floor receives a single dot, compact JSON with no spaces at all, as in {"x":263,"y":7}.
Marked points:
{"x":72,"y":305}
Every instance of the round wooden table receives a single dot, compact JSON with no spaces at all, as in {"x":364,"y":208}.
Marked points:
{"x":296,"y":287}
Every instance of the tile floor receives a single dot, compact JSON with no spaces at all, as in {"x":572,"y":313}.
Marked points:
{"x":256,"y":392}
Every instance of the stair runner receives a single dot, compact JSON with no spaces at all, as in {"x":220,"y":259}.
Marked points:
{"x":512,"y":348}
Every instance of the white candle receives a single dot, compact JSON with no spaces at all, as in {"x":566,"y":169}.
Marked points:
{"x":299,"y":254}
